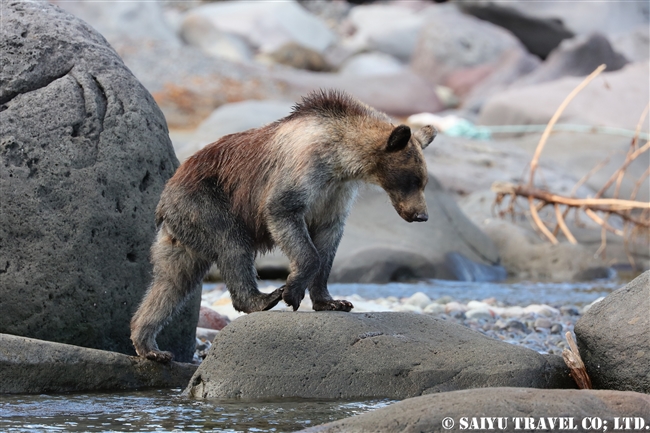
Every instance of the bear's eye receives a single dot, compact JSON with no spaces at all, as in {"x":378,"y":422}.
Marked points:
{"x":410,"y":182}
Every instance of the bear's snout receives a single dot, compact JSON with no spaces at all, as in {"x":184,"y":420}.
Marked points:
{"x":412,"y":215}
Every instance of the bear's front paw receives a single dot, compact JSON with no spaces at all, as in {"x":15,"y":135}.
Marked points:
{"x":333,"y":305}
{"x":293,"y":298}
{"x":159,"y":356}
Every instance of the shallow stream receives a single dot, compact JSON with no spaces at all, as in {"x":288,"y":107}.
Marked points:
{"x":514,"y":293}
{"x":167,"y":410}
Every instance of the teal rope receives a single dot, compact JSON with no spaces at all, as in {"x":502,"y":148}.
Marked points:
{"x":520,"y":129}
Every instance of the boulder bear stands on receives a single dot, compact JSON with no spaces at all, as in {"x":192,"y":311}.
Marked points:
{"x":290,"y":183}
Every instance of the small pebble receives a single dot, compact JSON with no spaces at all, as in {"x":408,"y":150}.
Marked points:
{"x":472,"y":305}
{"x":434,"y":308}
{"x":478,"y":313}
{"x":542,"y":310}
{"x":516,"y":326}
{"x":569,"y":310}
{"x":542,"y":323}
{"x":512,"y":312}
{"x":205,"y":334}
{"x":458,"y":315}
{"x":407,"y":308}
{"x":454,"y":306}
{"x":444,"y":300}
{"x":556,"y":328}
{"x":418,"y":299}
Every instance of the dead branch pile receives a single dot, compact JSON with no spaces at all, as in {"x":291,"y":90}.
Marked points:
{"x":634,"y":214}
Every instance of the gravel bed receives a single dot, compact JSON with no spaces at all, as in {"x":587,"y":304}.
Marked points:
{"x":539,"y":327}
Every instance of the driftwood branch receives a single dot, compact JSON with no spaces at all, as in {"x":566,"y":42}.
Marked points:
{"x":634,"y":214}
{"x":573,"y":360}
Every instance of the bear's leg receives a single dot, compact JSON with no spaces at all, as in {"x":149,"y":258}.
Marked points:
{"x":236,"y":263}
{"x":290,"y":233}
{"x":177,"y":271}
{"x":326,"y":237}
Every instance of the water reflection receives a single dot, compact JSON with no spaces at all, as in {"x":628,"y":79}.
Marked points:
{"x":167,"y":410}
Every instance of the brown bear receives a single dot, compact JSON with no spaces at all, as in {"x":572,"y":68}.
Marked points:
{"x":288,"y":184}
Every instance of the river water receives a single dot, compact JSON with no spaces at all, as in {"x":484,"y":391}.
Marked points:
{"x":513,"y":293}
{"x":167,"y":410}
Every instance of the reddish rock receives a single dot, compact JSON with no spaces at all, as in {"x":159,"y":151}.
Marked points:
{"x":210,"y":319}
{"x":462,"y":81}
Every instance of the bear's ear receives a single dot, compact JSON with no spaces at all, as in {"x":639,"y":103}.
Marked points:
{"x":425,"y":135}
{"x":399,"y":138}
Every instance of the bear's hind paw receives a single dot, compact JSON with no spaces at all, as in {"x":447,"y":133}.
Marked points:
{"x":159,"y":356}
{"x":333,"y":305}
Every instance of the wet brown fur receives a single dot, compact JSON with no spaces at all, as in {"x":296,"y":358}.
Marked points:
{"x":288,"y":184}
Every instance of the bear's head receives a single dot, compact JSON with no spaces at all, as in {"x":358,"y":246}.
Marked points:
{"x":402,"y":172}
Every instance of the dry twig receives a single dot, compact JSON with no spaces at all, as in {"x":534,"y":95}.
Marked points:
{"x":554,"y":119}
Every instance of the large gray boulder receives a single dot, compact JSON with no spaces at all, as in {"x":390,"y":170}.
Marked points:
{"x":362,"y":355}
{"x":634,"y":44}
{"x":451,"y":40}
{"x":505,"y":408}
{"x":265,"y":25}
{"x":617,"y":104}
{"x":614,"y":338}
{"x":387,"y":28}
{"x":576,"y":57}
{"x":30,"y":366}
{"x":609,"y":18}
{"x":539,"y":35}
{"x":84,"y":155}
